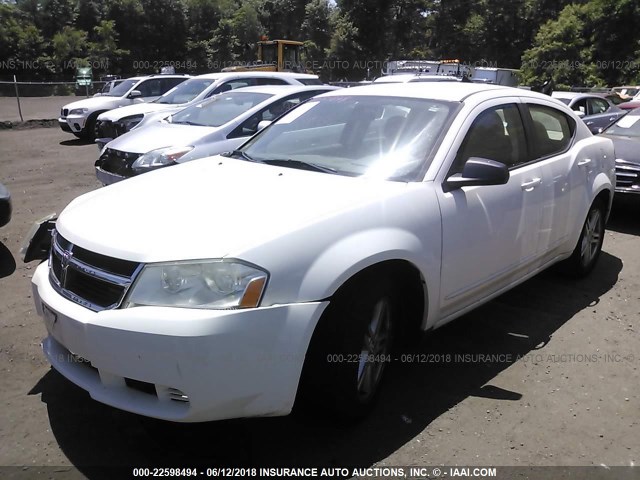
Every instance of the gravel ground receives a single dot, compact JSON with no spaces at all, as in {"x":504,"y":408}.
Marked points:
{"x":547,"y":374}
{"x":33,"y":108}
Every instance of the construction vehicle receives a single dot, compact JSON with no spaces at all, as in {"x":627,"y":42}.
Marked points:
{"x":274,"y":56}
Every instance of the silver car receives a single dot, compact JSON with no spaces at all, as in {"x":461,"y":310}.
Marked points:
{"x":119,"y":121}
{"x":217,"y":125}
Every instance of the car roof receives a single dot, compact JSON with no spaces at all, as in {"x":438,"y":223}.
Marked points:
{"x":572,"y":95}
{"x":397,"y":78}
{"x":446,"y":91}
{"x":283,"y":89}
{"x":155,"y":75}
{"x":217,"y":75}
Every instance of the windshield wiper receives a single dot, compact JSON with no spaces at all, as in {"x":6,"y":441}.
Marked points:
{"x":241,"y":155}
{"x":187,"y":122}
{"x":290,"y":162}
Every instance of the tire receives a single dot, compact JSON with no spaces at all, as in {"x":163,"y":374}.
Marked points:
{"x":89,"y":131}
{"x":350,"y":351}
{"x":587,"y":250}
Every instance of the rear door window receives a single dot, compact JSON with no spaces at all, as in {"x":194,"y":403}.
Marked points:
{"x":552,"y":130}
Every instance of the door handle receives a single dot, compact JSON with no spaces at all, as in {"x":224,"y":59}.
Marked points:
{"x":531,"y":184}
{"x":584,"y":162}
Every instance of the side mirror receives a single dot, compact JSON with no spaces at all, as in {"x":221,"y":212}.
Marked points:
{"x":479,"y":171}
{"x":580,"y":113}
{"x":263,"y":124}
{"x":135,"y":94}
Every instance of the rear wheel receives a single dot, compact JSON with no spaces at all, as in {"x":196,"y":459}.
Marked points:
{"x":350,"y":350}
{"x":587,"y":251}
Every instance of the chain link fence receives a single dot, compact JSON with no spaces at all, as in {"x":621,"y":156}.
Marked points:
{"x":23,"y":101}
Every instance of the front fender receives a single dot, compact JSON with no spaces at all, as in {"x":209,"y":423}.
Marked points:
{"x":352,"y":254}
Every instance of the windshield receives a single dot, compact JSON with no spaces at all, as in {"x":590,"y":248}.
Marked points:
{"x":627,"y":126}
{"x":566,"y":101}
{"x":220,"y":109}
{"x":110,"y":85}
{"x":269,"y":53}
{"x":185,"y":92}
{"x":373,"y":136}
{"x":123,"y":88}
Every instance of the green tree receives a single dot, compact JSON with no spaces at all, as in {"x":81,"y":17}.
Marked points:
{"x":202,"y":18}
{"x":69,"y":49}
{"x":280,"y":18}
{"x":344,"y":48}
{"x":89,"y":13}
{"x":128,"y":16}
{"x":316,"y":33}
{"x":104,"y":51}
{"x":561,"y":51}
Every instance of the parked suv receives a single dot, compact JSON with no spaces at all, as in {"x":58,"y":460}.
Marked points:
{"x":114,"y":123}
{"x":80,"y":117}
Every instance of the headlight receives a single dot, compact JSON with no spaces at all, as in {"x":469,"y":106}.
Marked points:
{"x":129,"y":122}
{"x":217,"y":284}
{"x":161,"y":157}
{"x":78,"y":111}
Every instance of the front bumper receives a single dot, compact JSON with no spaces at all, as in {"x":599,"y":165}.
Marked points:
{"x":183,"y":365}
{"x":75,"y":123}
{"x":62,"y":122}
{"x":107,"y":178}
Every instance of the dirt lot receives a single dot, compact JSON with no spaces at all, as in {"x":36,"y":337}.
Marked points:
{"x":33,"y":108}
{"x":547,"y":374}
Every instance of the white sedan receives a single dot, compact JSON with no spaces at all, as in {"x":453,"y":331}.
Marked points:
{"x":235,"y":285}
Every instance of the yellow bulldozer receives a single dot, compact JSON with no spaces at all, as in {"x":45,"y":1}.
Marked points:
{"x":274,"y":56}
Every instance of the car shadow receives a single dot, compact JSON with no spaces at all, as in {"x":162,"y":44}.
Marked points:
{"x":625,"y":214}
{"x":76,"y":142}
{"x":7,"y":262}
{"x":445,"y":367}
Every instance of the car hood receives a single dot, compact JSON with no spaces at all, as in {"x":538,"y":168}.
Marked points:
{"x":158,"y":135}
{"x":626,"y":148}
{"x":95,"y":103}
{"x":210,"y":208}
{"x":137,"y":109}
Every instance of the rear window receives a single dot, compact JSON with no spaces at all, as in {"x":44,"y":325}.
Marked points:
{"x":309,"y":81}
{"x":552,"y":129}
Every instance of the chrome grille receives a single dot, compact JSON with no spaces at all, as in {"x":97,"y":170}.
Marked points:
{"x":109,"y":129}
{"x":118,"y":162}
{"x":95,"y":281}
{"x":627,"y":176}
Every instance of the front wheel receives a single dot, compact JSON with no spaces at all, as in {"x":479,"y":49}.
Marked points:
{"x":350,"y":351}
{"x":587,"y":251}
